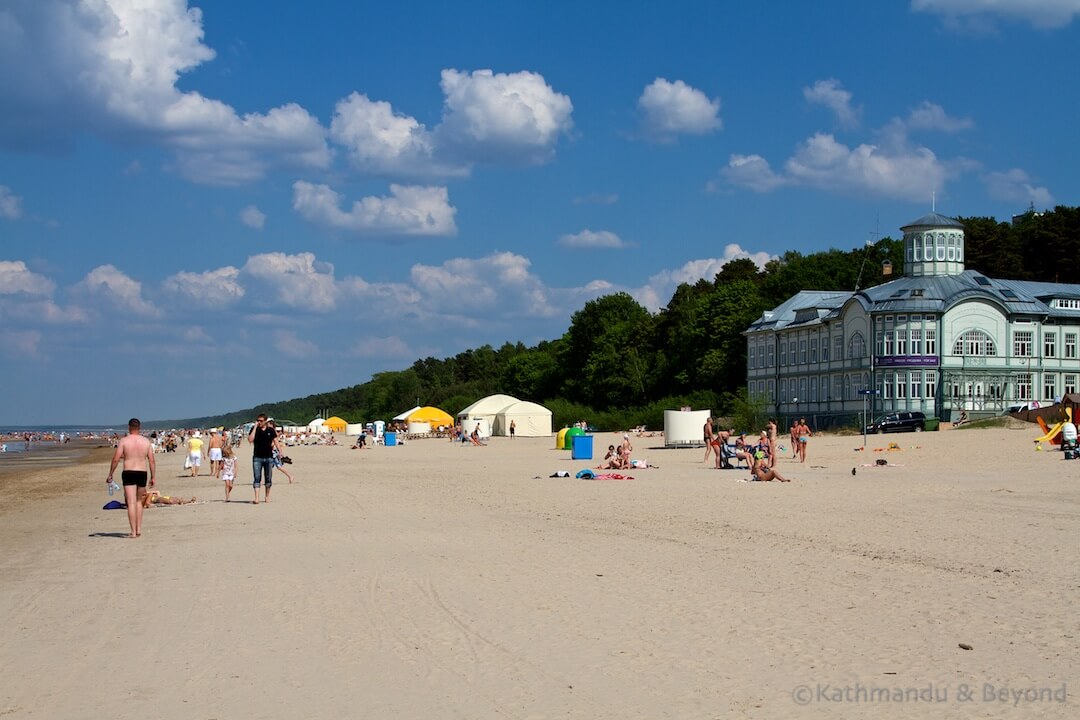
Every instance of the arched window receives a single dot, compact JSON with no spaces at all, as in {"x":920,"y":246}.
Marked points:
{"x":857,"y":346}
{"x":974,"y":342}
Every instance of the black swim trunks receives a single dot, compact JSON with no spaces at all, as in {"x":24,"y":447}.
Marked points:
{"x":134,"y":477}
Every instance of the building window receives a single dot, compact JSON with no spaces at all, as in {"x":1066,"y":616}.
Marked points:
{"x":887,"y":380}
{"x":838,"y":346}
{"x":916,"y":383}
{"x":856,"y":349}
{"x":751,"y":354}
{"x":1070,"y":385}
{"x":783,"y":354}
{"x":940,"y":246}
{"x":974,"y":342}
{"x":802,"y":352}
{"x":888,"y":339}
{"x":1023,"y":386}
{"x":951,"y":248}
{"x":931,"y":385}
{"x":813,"y":350}
{"x":802,"y":389}
{"x":1049,"y":386}
{"x":825,"y":349}
{"x":1050,"y":344}
{"x":916,"y":342}
{"x":813,"y":389}
{"x":769,"y":355}
{"x":901,"y":385}
{"x":791,"y":352}
{"x":771,"y":391}
{"x":1067,"y":303}
{"x":783,"y":391}
{"x":1022,"y":348}
{"x":1070,"y":345}
{"x":901,"y":342}
{"x":837,"y":388}
{"x":931,"y":342}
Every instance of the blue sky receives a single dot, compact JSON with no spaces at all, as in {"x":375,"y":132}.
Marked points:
{"x":208,"y":205}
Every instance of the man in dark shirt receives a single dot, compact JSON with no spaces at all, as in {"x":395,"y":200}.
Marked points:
{"x":264,"y":438}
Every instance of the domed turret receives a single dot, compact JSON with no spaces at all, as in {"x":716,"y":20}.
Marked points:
{"x":933,"y":245}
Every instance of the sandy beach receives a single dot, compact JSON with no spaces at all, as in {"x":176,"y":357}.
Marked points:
{"x":432,"y":580}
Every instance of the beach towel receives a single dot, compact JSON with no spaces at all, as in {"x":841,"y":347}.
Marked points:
{"x":114,"y":505}
{"x":612,"y":476}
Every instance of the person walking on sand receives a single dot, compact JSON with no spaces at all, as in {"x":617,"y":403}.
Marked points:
{"x":195,"y":445}
{"x":513,"y":429}
{"x":803,"y":433}
{"x":214,"y":446}
{"x":228,"y":469}
{"x":137,"y":455}
{"x":710,"y":438}
{"x":264,"y":439}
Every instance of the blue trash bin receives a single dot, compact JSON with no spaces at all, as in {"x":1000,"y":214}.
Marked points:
{"x":582,"y":448}
{"x":390,"y":438}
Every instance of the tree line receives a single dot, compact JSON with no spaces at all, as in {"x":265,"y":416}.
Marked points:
{"x":619,"y":365}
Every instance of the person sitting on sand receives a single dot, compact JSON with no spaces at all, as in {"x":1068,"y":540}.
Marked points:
{"x":610,"y":460}
{"x":763,"y":473}
{"x":156,"y":498}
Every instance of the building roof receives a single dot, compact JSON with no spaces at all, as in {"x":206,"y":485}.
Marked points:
{"x":930,"y":294}
{"x":934,"y":220}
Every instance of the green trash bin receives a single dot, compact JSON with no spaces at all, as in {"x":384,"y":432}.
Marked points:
{"x":931,"y":424}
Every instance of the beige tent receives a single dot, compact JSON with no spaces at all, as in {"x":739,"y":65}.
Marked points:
{"x":529,"y":418}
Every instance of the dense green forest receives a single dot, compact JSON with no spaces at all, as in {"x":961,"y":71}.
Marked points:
{"x":631,"y":364}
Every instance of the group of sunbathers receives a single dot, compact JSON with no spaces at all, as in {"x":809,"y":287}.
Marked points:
{"x":618,"y":458}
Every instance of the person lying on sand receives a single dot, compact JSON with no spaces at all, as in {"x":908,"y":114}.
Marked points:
{"x":156,"y":498}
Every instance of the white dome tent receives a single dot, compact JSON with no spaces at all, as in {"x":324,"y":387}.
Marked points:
{"x":483,"y":412}
{"x":316,"y":426}
{"x":403,"y":417}
{"x":530,"y":420}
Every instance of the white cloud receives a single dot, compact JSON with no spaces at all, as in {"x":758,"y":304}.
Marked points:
{"x":500,"y":280}
{"x":597,"y":199}
{"x":591,"y":239}
{"x":10,"y":204}
{"x":1015,"y":186}
{"x":115,"y":292}
{"x":973,"y":14}
{"x":212,"y":289}
{"x":660,"y":287}
{"x":16,"y":278}
{"x":288,"y":343}
{"x":500,"y":117}
{"x":383,"y":142}
{"x":381,"y":347}
{"x":669,"y":109}
{"x":752,"y":171}
{"x":830,"y":94}
{"x":253,"y":217}
{"x":20,"y":344}
{"x":930,"y":116}
{"x":410,"y":210}
{"x":110,"y":67}
{"x":296,"y":281}
{"x":895,"y":171}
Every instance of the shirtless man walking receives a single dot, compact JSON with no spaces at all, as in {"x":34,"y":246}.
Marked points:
{"x":138,"y":456}
{"x":215,"y":444}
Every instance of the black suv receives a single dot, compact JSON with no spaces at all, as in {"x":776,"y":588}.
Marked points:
{"x":898,"y":422}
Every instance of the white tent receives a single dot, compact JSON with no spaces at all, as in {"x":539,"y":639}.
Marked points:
{"x":529,"y":418}
{"x":316,"y":425}
{"x":405,"y":415}
{"x":485,"y":409}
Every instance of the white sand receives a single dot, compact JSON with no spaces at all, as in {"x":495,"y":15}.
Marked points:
{"x":432,"y":580}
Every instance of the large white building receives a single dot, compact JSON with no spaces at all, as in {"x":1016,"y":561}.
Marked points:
{"x":940,"y":339}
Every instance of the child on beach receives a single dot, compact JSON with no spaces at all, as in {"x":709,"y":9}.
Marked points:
{"x":228,"y":469}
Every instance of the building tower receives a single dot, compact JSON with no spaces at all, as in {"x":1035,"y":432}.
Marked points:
{"x":933,"y":245}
